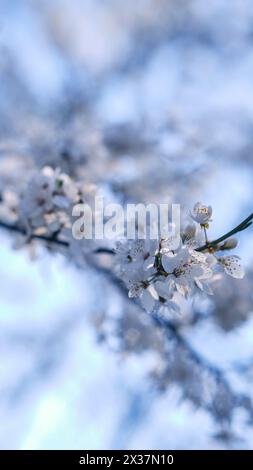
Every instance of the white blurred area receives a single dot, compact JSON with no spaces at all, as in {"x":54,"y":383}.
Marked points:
{"x":59,"y":388}
{"x":148,"y":63}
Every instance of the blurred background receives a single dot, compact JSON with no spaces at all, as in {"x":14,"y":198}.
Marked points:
{"x":152,"y":101}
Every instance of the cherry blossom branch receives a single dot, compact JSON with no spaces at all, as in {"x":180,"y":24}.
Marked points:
{"x":192,"y":360}
{"x":212,"y":244}
{"x":103,"y":250}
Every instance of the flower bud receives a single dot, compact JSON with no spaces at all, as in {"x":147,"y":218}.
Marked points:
{"x":229,"y":244}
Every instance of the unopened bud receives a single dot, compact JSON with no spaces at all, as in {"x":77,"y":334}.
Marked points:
{"x":229,"y":244}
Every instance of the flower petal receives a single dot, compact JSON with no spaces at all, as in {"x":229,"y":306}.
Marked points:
{"x":232,"y":266}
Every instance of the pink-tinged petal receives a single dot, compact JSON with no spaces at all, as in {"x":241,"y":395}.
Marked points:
{"x":232,"y":266}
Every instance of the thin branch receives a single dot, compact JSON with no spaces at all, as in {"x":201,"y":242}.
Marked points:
{"x":173,"y":334}
{"x":205,"y":232}
{"x":33,"y":236}
{"x":54,"y":239}
{"x":239,"y":228}
{"x":105,"y":251}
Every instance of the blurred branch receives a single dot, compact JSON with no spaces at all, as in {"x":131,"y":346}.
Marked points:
{"x":15,"y":228}
{"x":49,"y":239}
{"x":193,"y":363}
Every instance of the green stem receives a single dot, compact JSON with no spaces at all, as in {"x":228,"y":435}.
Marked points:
{"x":239,"y":228}
{"x":206,"y":239}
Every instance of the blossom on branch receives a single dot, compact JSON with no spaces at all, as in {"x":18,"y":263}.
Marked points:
{"x":158,"y":271}
{"x":201,"y":214}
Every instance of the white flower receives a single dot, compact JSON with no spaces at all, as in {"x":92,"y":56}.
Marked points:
{"x":192,"y":237}
{"x":65,"y":191}
{"x":134,"y":255}
{"x":139,"y":286}
{"x":38,"y":197}
{"x":181,"y":264}
{"x":48,"y":195}
{"x":201,"y":214}
{"x":165,"y":293}
{"x":9,"y":205}
{"x":148,"y":298}
{"x":170,"y":244}
{"x":232,"y":266}
{"x":187,"y":270}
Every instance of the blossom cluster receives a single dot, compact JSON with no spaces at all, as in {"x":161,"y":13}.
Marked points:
{"x":160,"y":272}
{"x":44,"y":206}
